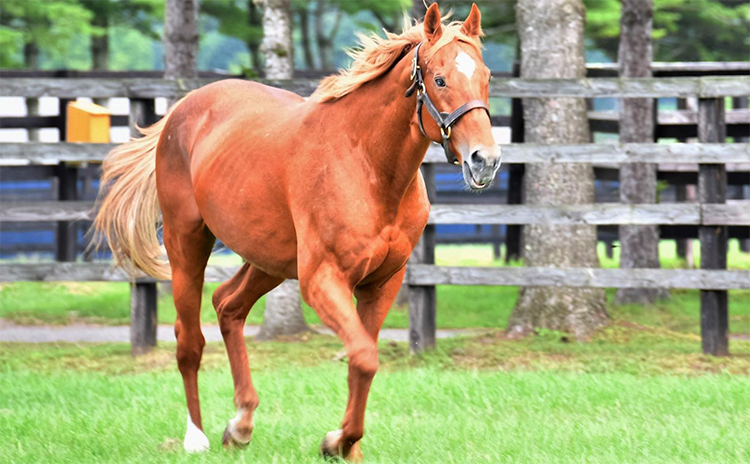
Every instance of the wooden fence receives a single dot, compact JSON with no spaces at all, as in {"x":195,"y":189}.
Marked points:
{"x":712,"y":214}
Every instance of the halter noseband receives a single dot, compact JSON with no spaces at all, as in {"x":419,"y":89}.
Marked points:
{"x":444,"y":120}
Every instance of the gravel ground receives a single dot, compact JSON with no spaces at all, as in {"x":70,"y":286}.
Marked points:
{"x":95,"y":333}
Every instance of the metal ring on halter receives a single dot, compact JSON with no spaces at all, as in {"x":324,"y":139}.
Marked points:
{"x":446,"y":135}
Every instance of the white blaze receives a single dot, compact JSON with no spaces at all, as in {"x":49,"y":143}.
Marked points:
{"x":195,"y":440}
{"x":465,"y":64}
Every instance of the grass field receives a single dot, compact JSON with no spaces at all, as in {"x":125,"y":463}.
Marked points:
{"x":458,"y":307}
{"x":639,"y":392}
{"x":632,"y":395}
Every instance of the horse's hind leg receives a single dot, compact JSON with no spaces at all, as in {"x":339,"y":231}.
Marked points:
{"x":188,"y":242}
{"x":233,"y":301}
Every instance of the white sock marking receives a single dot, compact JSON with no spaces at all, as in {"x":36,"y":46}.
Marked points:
{"x":465,"y":64}
{"x":195,"y":440}
{"x":233,"y":427}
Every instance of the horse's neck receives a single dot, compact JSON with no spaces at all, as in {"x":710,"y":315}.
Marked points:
{"x":381,"y":120}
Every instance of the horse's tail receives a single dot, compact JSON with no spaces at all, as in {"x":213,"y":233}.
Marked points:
{"x":128,"y":208}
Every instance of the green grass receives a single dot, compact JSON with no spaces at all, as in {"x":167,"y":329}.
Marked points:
{"x":458,"y":306}
{"x":632,"y":395}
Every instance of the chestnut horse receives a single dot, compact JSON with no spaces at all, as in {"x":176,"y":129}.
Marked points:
{"x":325,"y":190}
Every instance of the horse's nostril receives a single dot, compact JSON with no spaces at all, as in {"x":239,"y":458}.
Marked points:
{"x":476,"y":157}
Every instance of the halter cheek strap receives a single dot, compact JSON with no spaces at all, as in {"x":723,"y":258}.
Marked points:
{"x":444,"y":120}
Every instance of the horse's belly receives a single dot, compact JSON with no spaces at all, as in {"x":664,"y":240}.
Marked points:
{"x":261,"y":232}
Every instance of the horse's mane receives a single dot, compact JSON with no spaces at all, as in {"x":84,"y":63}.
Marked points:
{"x":376,"y":55}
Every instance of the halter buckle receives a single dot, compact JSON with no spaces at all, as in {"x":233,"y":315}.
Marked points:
{"x":446,"y":135}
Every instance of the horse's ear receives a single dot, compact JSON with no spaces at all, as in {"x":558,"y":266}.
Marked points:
{"x":433,"y":28}
{"x":473,"y":24}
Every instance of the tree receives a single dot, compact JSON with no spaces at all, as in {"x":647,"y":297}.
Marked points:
{"x":140,"y":15}
{"x":277,"y":47}
{"x":31,"y":28}
{"x":241,"y":19}
{"x":283,"y":314}
{"x":683,"y":30}
{"x":551,"y":37}
{"x":639,"y":244}
{"x":181,"y":39}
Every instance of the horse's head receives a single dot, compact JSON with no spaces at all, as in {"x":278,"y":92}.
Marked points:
{"x":456,"y":85}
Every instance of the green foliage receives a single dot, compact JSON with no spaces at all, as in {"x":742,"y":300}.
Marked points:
{"x":683,"y":30}
{"x":52,"y":25}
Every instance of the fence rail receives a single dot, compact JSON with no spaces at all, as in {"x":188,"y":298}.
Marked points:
{"x":600,"y":87}
{"x":429,"y":275}
{"x":736,"y":213}
{"x":20,"y":154}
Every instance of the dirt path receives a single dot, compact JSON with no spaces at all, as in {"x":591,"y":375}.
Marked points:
{"x":95,"y":333}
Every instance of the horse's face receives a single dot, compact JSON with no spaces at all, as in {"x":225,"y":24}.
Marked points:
{"x":455,"y":75}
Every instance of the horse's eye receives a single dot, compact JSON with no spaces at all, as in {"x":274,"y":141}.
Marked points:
{"x":440,"y":82}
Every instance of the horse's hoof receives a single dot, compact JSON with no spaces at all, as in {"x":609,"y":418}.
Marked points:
{"x":332,"y":449}
{"x":228,"y":439}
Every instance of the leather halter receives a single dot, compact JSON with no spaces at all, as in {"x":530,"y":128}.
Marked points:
{"x":444,"y":120}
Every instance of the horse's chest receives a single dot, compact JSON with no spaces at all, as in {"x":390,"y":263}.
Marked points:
{"x":388,"y":254}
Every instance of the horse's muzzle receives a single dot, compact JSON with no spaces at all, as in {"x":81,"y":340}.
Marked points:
{"x":481,"y":166}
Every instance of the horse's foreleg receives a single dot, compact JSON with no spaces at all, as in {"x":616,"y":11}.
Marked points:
{"x":331,"y":297}
{"x":189,"y":249}
{"x":233,"y":301}
{"x":373,"y":303}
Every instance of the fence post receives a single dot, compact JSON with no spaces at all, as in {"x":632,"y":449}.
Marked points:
{"x":422,"y":303}
{"x":67,"y":189}
{"x":737,"y":103}
{"x":143,"y":295}
{"x":682,"y":244}
{"x":514,"y":233}
{"x":712,"y":188}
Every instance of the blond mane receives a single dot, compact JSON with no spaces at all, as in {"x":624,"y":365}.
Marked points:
{"x":376,"y":55}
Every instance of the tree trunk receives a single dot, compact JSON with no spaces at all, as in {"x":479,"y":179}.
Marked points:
{"x":100,"y":47}
{"x":551,"y":35}
{"x":277,"y":47}
{"x":253,"y":44}
{"x":325,"y":45}
{"x":181,"y":39}
{"x":639,"y":245}
{"x":100,"y":43}
{"x":304,"y":26}
{"x":31,"y":61}
{"x":283,"y":314}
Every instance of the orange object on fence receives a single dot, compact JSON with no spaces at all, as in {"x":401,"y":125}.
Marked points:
{"x":87,"y":122}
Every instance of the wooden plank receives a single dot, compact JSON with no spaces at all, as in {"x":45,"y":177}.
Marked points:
{"x":420,"y":274}
{"x":677,"y":117}
{"x":143,"y":295}
{"x":66,"y":237}
{"x":422,"y":299}
{"x":139,"y":88}
{"x":736,"y":213}
{"x":33,"y":211}
{"x":19,"y":154}
{"x":704,"y":87}
{"x":615,"y":153}
{"x":661,"y":68}
{"x":143,"y":323}
{"x":430,"y":275}
{"x":712,"y":189}
{"x":593,"y":214}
